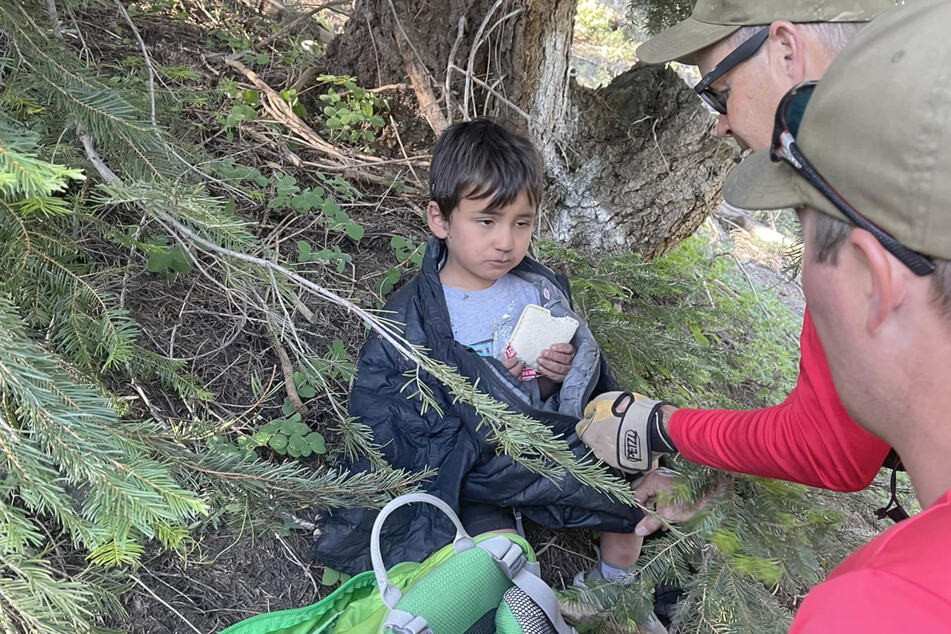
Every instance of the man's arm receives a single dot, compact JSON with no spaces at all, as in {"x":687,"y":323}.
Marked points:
{"x":809,"y":438}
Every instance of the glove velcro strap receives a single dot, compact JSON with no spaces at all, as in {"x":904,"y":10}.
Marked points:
{"x":634,"y":433}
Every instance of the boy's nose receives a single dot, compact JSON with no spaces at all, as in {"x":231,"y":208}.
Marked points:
{"x":504,"y":240}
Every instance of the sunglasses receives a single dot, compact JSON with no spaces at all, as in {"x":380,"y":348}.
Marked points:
{"x":789,"y":115}
{"x":740,"y":54}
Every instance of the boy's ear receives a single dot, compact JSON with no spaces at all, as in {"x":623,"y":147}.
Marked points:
{"x":438,"y":222}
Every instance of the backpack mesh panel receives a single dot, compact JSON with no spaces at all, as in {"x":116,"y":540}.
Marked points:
{"x":529,"y":618}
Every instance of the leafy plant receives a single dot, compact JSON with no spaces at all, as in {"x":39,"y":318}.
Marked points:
{"x":305,"y":253}
{"x":408,"y":255}
{"x":290,"y":437}
{"x":167,"y":261}
{"x":289,"y":196}
{"x":350,"y":115}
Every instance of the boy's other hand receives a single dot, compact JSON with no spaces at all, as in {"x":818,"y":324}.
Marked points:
{"x":555,"y":362}
{"x":661,"y":483}
{"x":514,"y":366}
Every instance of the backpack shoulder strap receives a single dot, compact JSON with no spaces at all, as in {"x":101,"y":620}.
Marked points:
{"x":513,"y":562}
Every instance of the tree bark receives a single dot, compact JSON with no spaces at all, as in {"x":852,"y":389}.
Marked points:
{"x":631,"y":166}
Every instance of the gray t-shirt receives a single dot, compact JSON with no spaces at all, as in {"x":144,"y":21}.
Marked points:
{"x":484,"y":320}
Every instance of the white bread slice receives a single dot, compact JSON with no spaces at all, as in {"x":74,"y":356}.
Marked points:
{"x":537,"y":331}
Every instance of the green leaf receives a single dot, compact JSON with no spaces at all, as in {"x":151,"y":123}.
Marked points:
{"x":330,"y":577}
{"x":297,"y":429}
{"x":307,"y":391}
{"x":272,"y":427}
{"x":278,"y":442}
{"x":355,"y":231}
{"x":389,"y":280}
{"x":286,"y":407}
{"x":307,"y":200}
{"x":158,"y":262}
{"x":316,"y":442}
{"x":179,"y":261}
{"x":298,"y":447}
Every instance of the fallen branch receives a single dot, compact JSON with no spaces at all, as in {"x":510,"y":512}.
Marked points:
{"x":419,"y":78}
{"x":287,"y":369}
{"x":145,"y":55}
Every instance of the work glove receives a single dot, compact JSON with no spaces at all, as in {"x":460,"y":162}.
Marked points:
{"x":625,"y":430}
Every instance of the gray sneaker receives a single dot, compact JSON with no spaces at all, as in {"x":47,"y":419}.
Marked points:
{"x":594,"y":577}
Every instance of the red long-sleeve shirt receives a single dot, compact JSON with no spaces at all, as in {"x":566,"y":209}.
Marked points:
{"x":809,"y":438}
{"x":898,"y":582}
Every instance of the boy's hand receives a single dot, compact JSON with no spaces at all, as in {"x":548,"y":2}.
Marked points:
{"x":662,"y":483}
{"x":555,"y":362}
{"x":514,"y":366}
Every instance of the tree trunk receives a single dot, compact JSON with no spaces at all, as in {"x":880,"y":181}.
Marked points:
{"x":631,"y":166}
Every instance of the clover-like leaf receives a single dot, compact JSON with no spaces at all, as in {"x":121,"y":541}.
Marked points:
{"x":278,"y":442}
{"x":316,"y":442}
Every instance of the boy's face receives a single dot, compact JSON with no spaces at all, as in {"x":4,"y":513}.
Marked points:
{"x":483,"y":244}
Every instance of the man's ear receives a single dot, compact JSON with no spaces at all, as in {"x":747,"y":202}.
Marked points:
{"x":885,"y":285}
{"x":787,"y":54}
{"x":438,"y":222}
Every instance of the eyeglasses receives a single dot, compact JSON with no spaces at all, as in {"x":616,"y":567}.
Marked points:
{"x":789,"y":115}
{"x":740,"y":54}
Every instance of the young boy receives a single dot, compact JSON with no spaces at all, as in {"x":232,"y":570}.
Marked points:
{"x":485,"y":188}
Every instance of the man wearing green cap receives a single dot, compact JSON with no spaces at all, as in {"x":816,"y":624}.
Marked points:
{"x":865,"y":159}
{"x":750,"y":53}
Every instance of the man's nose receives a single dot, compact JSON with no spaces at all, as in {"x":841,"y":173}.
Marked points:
{"x":723,"y":126}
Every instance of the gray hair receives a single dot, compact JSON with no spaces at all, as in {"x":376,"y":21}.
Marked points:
{"x":832,"y":35}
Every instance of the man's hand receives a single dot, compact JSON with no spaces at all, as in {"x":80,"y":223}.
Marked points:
{"x":514,"y":366}
{"x":661,"y":483}
{"x":625,"y":430}
{"x":555,"y":362}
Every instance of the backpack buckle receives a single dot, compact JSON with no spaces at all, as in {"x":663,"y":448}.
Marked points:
{"x":507,"y":554}
{"x":400,"y":622}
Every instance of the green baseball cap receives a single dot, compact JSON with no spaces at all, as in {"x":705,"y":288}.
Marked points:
{"x":714,"y":20}
{"x":878,"y":129}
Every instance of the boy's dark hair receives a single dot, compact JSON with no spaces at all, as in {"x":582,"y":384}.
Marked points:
{"x":480,"y":158}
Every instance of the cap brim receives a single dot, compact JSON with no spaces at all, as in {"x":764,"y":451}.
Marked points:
{"x":682,"y":41}
{"x":760,"y":183}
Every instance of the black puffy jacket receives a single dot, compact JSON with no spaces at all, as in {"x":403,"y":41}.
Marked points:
{"x":468,"y":467}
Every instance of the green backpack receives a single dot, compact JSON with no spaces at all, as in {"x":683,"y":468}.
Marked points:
{"x":472,"y":586}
